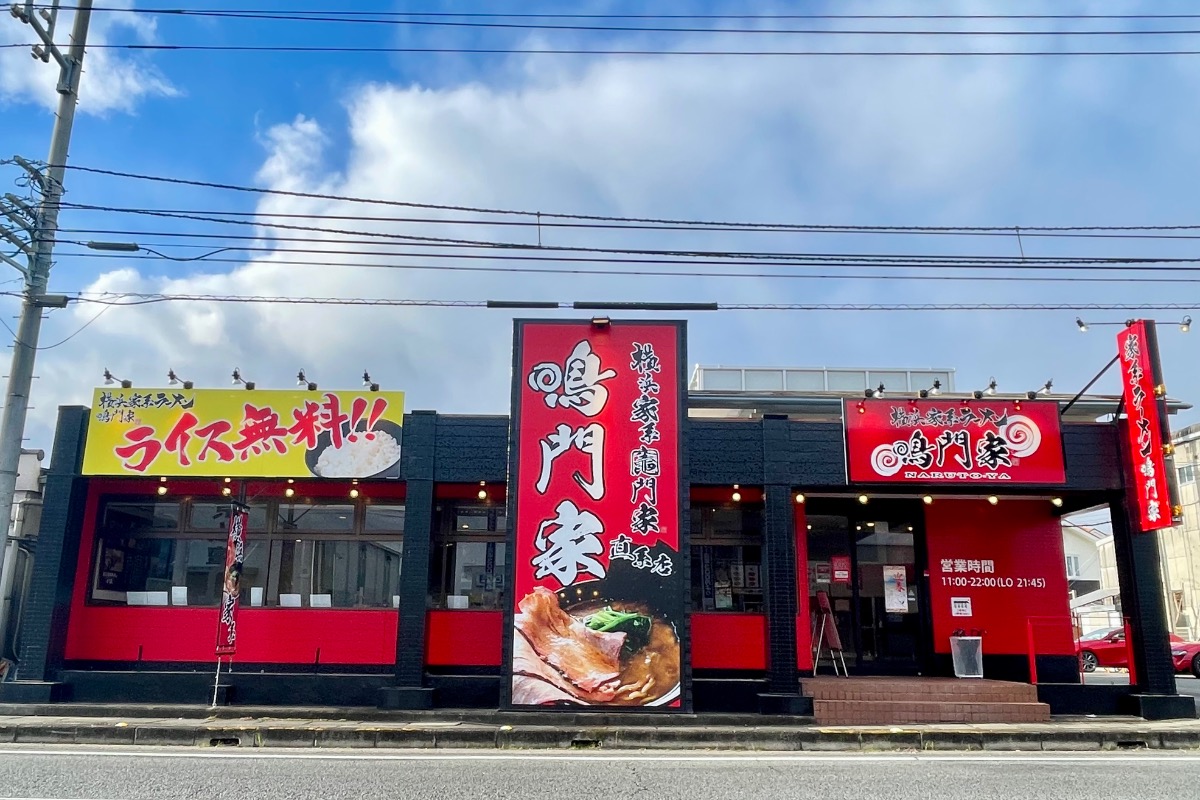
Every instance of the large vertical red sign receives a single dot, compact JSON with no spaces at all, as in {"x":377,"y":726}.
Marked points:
{"x":599,"y":550}
{"x":235,"y":559}
{"x":1146,"y":426}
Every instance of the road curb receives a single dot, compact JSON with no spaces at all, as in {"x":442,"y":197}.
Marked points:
{"x":272,"y":734}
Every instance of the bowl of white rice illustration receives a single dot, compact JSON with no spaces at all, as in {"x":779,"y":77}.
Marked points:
{"x":369,"y":454}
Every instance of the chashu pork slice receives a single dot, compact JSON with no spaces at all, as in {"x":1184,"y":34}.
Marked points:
{"x":527,"y":662}
{"x":530,"y":691}
{"x":587,"y":658}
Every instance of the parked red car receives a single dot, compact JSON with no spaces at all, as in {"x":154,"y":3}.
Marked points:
{"x":1106,"y":648}
{"x":1187,"y":658}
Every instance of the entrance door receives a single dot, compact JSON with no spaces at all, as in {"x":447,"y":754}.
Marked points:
{"x":869,"y":559}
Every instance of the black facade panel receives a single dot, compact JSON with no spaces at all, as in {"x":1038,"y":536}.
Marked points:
{"x":1093,"y":457}
{"x":420,"y":436}
{"x":471,"y":449}
{"x":44,"y":624}
{"x":725,"y":452}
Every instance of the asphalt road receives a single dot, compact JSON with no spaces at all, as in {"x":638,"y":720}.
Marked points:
{"x":141,"y":774}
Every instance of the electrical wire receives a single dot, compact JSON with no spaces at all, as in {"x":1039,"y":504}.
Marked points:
{"x":148,"y":298}
{"x":406,"y":20}
{"x":1005,"y":230}
{"x":271,"y":261}
{"x":570,"y":51}
{"x":625,"y":15}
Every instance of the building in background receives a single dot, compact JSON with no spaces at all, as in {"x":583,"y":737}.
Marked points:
{"x":18,"y":560}
{"x":1181,"y":544}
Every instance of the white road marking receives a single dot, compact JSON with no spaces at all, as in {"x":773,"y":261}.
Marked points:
{"x":631,"y":755}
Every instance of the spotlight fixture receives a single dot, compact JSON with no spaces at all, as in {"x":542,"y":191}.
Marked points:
{"x":1081,"y":324}
{"x":1186,"y":325}
{"x":483,"y":495}
{"x":993,"y":499}
{"x":910,"y":528}
{"x":799,"y":497}
{"x":870,"y":524}
{"x":863,"y":499}
{"x":737,"y":495}
{"x":162,"y":490}
{"x":810,"y":526}
{"x":867,"y":393}
{"x":1046,"y":389}
{"x":1031,"y":395}
{"x":932,"y":391}
{"x":601,"y":322}
{"x":990,"y":391}
{"x":1056,"y":502}
{"x":354,"y":494}
{"x":305,"y":382}
{"x":370,"y":384}
{"x":110,"y":379}
{"x":173,"y":380}
{"x":927,"y":500}
{"x":226,"y":491}
{"x":879,"y":390}
{"x":229,"y":480}
{"x":978,"y":395}
{"x":237,"y":378}
{"x":289,"y":492}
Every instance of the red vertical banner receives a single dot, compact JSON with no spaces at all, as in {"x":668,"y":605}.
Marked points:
{"x":235,"y":559}
{"x":597,"y":534}
{"x":1147,"y":467}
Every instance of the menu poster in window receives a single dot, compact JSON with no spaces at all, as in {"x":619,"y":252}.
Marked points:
{"x":597,"y":616}
{"x":235,"y":560}
{"x":895,"y":589}
{"x":840,"y":567}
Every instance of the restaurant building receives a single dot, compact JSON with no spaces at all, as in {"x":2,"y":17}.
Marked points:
{"x":812,"y":507}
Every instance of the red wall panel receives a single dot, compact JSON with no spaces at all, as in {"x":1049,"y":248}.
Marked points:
{"x":267,"y":636}
{"x":464,"y":638}
{"x":729,"y":641}
{"x":1008,"y":561}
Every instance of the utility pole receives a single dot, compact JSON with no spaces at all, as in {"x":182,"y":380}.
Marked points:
{"x":41,"y":237}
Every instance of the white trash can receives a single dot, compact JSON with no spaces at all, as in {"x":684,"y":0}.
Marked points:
{"x":967,"y":654}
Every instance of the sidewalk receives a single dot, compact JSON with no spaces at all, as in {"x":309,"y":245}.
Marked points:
{"x":198,"y":726}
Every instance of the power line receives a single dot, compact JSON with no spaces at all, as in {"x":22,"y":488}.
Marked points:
{"x":1004,"y":230}
{"x":624,"y":15}
{"x":407,"y":20}
{"x":665,"y":273}
{"x":619,"y":224}
{"x":147,"y":298}
{"x":570,"y":51}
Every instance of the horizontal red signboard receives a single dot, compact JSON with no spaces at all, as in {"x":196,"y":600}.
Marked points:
{"x":953,"y":441}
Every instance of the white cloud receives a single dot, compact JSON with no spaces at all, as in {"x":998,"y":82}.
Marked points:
{"x":913,"y":141}
{"x":111,"y":81}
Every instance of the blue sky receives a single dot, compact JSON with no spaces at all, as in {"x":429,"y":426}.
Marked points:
{"x":914,"y":141}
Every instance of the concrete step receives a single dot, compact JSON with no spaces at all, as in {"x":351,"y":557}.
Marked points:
{"x":899,"y":712}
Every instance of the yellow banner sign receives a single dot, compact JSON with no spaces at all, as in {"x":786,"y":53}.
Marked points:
{"x":239,"y":433}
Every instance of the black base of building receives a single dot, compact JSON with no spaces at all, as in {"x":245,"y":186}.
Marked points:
{"x":223,"y":695}
{"x":245,"y":688}
{"x":405,"y":698}
{"x":1161,"y":706}
{"x":1050,"y":669}
{"x":34,"y":692}
{"x":1077,"y":699}
{"x":795,"y":705}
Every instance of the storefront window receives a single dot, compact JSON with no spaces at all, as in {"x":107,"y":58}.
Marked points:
{"x":297,"y":554}
{"x":726,"y":549}
{"x":467,"y":561}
